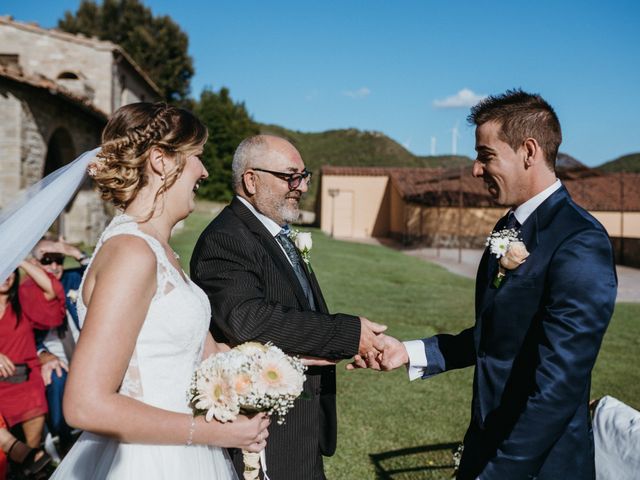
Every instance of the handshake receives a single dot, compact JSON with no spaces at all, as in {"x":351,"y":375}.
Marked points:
{"x":376,"y":351}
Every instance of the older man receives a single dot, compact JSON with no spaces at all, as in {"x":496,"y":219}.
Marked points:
{"x":261,"y":289}
{"x":540,"y":318}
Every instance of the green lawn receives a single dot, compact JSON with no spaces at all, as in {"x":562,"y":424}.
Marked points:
{"x":390,"y":428}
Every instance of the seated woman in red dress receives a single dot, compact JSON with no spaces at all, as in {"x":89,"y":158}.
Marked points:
{"x":39,"y":302}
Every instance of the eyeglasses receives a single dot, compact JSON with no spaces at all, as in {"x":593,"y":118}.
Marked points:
{"x":292,"y":179}
{"x":49,"y":258}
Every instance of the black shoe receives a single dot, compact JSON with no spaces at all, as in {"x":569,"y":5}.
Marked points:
{"x":29,"y":467}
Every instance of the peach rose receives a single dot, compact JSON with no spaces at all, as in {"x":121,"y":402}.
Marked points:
{"x":515,"y":256}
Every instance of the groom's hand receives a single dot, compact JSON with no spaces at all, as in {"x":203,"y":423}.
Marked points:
{"x":393,"y":355}
{"x":371,"y":342}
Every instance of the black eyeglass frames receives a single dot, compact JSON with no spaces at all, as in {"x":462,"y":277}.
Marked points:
{"x":292,"y":179}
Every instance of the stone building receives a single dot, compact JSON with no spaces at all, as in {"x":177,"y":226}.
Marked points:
{"x":56,"y":92}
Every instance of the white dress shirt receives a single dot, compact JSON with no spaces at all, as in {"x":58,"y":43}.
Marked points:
{"x":415,"y":348}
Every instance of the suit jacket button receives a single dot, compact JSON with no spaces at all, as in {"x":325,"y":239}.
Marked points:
{"x":481,"y":353}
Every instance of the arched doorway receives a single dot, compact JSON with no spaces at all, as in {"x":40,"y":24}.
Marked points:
{"x":60,"y":151}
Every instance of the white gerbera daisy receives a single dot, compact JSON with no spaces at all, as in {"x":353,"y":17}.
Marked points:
{"x":217,"y":396}
{"x":278,"y":377}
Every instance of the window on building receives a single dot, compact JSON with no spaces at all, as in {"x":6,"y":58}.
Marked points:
{"x":68,"y":76}
{"x":9,"y":58}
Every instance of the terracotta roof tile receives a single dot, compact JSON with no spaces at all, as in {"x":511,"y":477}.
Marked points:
{"x":81,"y":39}
{"x":15,"y":73}
{"x":593,"y":190}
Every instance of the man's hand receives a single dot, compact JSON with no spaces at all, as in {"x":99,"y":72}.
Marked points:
{"x":371,"y":342}
{"x":393,"y":355}
{"x":50,"y":363}
{"x":317,"y":361}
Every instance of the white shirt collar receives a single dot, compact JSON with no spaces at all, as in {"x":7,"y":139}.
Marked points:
{"x":527,"y":208}
{"x":270,"y":225}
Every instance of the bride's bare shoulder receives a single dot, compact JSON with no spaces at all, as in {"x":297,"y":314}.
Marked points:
{"x":125,"y":258}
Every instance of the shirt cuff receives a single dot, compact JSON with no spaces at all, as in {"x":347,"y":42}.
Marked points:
{"x":417,"y":358}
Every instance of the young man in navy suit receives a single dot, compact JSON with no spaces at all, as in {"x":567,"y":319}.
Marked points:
{"x":539,"y":323}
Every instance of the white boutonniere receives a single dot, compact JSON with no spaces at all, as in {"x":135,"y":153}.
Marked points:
{"x":509,"y":250}
{"x":72,"y":295}
{"x":304,"y":243}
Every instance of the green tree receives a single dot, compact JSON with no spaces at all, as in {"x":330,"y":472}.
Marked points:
{"x":157,"y":44}
{"x":229,"y":123}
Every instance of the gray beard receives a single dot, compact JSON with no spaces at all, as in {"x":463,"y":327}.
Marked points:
{"x":288,"y":214}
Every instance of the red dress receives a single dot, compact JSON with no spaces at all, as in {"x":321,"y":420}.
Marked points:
{"x":23,"y":401}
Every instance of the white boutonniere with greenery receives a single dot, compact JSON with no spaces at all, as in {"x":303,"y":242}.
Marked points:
{"x":509,"y":250}
{"x":304,"y":243}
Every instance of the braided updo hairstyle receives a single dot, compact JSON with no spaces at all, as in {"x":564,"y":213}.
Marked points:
{"x":120,"y":170}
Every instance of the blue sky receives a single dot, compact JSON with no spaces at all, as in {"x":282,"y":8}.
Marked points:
{"x":391,"y":66}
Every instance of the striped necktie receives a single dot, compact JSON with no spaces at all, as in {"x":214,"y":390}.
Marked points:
{"x":292,"y":252}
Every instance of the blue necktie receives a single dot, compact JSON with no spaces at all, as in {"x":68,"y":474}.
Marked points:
{"x":512,"y":221}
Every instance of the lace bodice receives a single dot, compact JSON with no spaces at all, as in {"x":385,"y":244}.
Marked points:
{"x":171,"y":340}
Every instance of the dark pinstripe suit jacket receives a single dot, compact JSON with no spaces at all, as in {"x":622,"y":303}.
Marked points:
{"x":255,"y":295}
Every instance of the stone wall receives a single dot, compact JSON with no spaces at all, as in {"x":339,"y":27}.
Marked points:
{"x":30,"y":118}
{"x":103,"y":74}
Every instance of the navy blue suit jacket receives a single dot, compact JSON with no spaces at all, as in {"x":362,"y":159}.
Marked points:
{"x":534,"y":344}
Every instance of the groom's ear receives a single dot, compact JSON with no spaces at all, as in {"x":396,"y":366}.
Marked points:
{"x":532,"y":152}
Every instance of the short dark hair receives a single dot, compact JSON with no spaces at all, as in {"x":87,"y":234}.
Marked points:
{"x":521,"y":115}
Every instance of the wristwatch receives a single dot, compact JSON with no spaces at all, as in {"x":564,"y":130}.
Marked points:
{"x":83,"y":259}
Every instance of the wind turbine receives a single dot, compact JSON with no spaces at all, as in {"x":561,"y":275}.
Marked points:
{"x":433,"y":146}
{"x":454,"y":139}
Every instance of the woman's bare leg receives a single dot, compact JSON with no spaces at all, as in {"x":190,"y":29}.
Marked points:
{"x":33,"y":429}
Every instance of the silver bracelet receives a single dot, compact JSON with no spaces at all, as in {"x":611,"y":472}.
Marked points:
{"x":192,"y":429}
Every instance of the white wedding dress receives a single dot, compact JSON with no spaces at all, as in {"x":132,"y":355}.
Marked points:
{"x":167,"y":351}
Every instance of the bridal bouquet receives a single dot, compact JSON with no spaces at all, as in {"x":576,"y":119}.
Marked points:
{"x":249,"y":378}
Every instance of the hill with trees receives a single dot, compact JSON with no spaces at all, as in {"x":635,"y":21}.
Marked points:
{"x":354,"y":148}
{"x":625,"y":163}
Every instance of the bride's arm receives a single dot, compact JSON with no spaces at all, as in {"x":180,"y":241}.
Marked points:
{"x":121,"y":288}
{"x":211,"y":347}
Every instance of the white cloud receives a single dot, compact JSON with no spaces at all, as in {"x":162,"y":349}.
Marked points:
{"x":359,"y":93}
{"x":312,"y":95}
{"x":465,"y":98}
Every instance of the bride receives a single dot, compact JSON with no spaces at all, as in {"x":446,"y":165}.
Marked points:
{"x":145,"y":323}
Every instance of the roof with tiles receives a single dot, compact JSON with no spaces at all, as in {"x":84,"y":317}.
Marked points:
{"x":589,"y":188}
{"x":14,"y":73}
{"x":92,"y":42}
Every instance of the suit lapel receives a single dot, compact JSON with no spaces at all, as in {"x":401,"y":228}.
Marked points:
{"x":271,"y":246}
{"x":321,"y":305}
{"x":529,"y":231}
